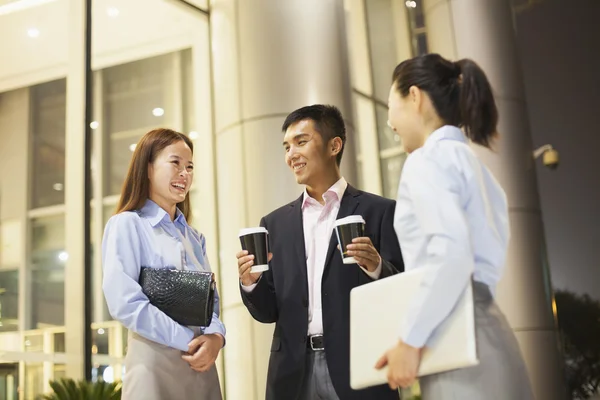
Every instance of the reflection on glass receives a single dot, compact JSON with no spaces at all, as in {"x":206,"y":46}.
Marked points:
{"x":390,"y":171}
{"x":48,"y":271}
{"x":48,"y":111}
{"x":9,"y":300}
{"x":388,"y":139}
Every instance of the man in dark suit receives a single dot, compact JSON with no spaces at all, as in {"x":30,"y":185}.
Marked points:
{"x":306,"y":290}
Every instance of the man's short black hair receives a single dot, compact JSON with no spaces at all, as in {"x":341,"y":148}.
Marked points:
{"x":327,"y":119}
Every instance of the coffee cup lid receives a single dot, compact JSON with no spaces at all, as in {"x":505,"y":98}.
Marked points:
{"x":249,"y":231}
{"x":351,"y":219}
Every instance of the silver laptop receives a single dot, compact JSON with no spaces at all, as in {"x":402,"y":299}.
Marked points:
{"x":377,"y":312}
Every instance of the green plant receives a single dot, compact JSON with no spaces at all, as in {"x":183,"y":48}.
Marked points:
{"x":69,"y":389}
{"x":579,"y":324}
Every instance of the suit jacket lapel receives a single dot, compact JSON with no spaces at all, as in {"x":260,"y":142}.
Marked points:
{"x":347,"y":207}
{"x":297,"y":225}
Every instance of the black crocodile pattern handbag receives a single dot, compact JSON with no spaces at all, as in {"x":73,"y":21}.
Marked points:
{"x":187,"y":297}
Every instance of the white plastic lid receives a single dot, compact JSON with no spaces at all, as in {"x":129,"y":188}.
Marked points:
{"x":249,"y":231}
{"x":351,"y":219}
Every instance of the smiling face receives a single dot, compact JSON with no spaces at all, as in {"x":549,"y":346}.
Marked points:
{"x":309,"y":158}
{"x":171,"y":175}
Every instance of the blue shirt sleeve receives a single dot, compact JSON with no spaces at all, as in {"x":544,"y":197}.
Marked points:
{"x":122,"y":262}
{"x":436,"y":195}
{"x":216,"y":326}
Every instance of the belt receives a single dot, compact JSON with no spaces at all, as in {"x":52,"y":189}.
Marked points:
{"x":315,"y":343}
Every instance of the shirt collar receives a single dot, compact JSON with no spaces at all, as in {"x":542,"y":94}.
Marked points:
{"x":155,"y":214}
{"x":446,"y":132}
{"x":338,"y":188}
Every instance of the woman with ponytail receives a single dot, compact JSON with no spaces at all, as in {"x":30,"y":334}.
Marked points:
{"x":452,"y":218}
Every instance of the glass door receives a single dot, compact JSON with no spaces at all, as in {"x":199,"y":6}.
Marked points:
{"x":9,"y":378}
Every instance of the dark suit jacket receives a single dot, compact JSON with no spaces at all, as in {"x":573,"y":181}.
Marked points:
{"x":281,"y":294}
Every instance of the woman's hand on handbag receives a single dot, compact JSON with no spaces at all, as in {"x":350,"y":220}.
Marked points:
{"x":203,"y":351}
{"x":245,"y":262}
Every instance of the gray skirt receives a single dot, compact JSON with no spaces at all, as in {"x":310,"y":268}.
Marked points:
{"x":501,"y":373}
{"x":157,"y":372}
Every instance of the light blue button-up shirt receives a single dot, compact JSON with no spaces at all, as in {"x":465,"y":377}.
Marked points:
{"x":451,"y":217}
{"x":148,"y":238}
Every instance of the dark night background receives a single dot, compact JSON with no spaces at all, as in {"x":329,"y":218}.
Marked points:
{"x":559,"y":44}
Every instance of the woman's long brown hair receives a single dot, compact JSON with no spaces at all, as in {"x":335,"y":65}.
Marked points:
{"x":136,"y":188}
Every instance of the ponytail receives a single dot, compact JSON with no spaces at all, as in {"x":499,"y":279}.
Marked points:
{"x":478,"y":112}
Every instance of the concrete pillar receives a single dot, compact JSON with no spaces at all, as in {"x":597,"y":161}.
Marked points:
{"x":269,"y":58}
{"x":483,"y":31}
{"x":74,"y":194}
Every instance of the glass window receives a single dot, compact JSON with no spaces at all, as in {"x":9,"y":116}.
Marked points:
{"x":100,"y":339}
{"x":103,"y":314}
{"x":419,"y":18}
{"x":109,"y":211}
{"x":187,"y":92}
{"x":391,"y":167}
{"x":382,"y":43}
{"x":356,"y":98}
{"x":136,"y":99}
{"x":9,"y":381}
{"x":59,"y":342}
{"x":416,"y":19}
{"x":34,"y":342}
{"x":421,"y":39}
{"x":34,"y":380}
{"x":48,"y":143}
{"x":9,"y":300}
{"x":60,"y":371}
{"x":48,"y":257}
{"x":416,"y":14}
{"x":388,"y":139}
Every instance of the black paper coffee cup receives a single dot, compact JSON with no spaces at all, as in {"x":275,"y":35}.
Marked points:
{"x":347,"y":229}
{"x":254,"y":241}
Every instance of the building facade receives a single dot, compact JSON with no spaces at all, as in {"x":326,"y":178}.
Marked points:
{"x":225,"y":73}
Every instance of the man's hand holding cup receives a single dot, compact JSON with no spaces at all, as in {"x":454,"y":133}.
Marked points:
{"x":254,"y":258}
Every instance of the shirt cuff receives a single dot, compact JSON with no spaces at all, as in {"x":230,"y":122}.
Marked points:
{"x":375,"y":274}
{"x":249,"y":289}
{"x":184,"y":339}
{"x":219,"y":330}
{"x":414,"y":338}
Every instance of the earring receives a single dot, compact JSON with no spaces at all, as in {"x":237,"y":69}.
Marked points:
{"x":389,"y":124}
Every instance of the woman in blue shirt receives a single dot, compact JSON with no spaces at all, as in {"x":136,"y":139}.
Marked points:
{"x":164,"y":360}
{"x":452,"y":218}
